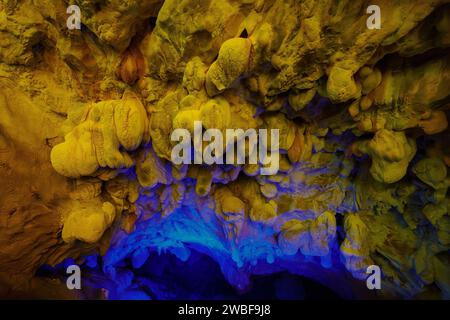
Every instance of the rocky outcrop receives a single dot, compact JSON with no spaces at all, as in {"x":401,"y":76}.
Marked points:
{"x":86,"y":119}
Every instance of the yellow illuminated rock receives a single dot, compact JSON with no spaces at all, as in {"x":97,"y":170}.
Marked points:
{"x":435,"y":124}
{"x":391,"y":153}
{"x":355,"y":246}
{"x":86,"y":118}
{"x":232,"y":62}
{"x":216,"y":114}
{"x":311,"y":237}
{"x":88,"y":223}
{"x":431,"y":171}
{"x":96,"y":141}
{"x":185,"y":120}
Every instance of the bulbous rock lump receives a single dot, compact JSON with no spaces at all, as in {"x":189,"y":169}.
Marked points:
{"x":390,"y":152}
{"x":95,"y":143}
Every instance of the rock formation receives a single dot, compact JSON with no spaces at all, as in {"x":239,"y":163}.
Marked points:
{"x":86,"y":118}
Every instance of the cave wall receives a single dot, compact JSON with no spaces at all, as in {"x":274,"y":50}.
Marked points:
{"x":86,"y":118}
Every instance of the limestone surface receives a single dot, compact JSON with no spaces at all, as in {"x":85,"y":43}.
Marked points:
{"x":86,"y":119}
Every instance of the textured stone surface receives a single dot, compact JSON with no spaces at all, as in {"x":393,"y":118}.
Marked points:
{"x":86,"y":118}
